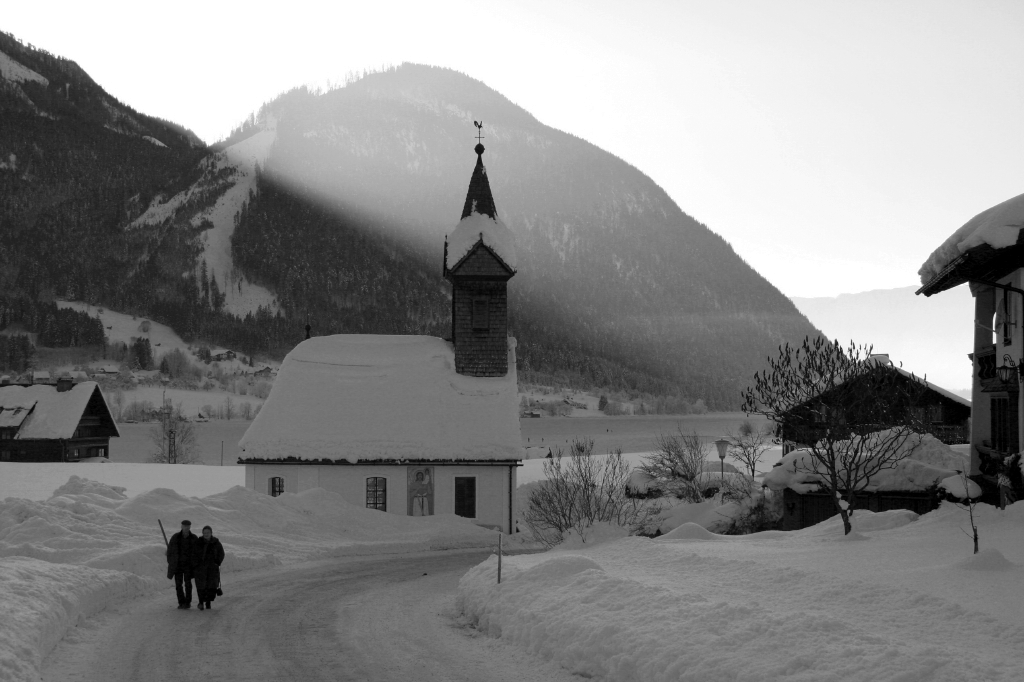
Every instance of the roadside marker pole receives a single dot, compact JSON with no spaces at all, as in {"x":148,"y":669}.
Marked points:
{"x":500,"y":535}
{"x":222,"y":453}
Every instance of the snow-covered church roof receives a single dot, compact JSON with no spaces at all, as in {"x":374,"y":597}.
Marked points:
{"x":480,"y":223}
{"x":369,"y":397}
{"x":998,"y":227}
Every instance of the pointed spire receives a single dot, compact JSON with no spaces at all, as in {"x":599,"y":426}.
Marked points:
{"x":478,"y":198}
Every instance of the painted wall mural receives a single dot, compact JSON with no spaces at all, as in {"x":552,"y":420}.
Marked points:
{"x":421,"y":491}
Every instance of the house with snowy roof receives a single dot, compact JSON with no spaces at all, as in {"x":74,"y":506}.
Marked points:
{"x":987,"y":254}
{"x":65,"y":422}
{"x":411,"y":425}
{"x":940,"y":412}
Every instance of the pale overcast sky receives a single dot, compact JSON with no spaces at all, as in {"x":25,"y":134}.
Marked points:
{"x":833,"y":144}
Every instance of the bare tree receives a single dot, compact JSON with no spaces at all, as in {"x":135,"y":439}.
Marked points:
{"x":855,"y":414}
{"x":678,"y":465}
{"x":967,"y":497}
{"x":119,"y":401}
{"x":581,"y":490}
{"x":749,"y":443}
{"x":185,"y":448}
{"x":229,"y":407}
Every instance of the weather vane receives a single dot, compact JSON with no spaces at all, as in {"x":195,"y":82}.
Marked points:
{"x":479,"y":130}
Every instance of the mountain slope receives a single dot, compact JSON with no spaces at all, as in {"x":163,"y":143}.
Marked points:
{"x":77,"y":166}
{"x":616,"y":285}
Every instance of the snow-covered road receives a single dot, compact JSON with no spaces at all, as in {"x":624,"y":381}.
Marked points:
{"x":367,"y":619}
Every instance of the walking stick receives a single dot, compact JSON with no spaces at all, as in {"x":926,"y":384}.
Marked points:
{"x":166,"y":543}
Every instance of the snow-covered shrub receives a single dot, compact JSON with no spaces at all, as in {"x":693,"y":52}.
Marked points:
{"x":579,"y":491}
{"x":678,"y":465}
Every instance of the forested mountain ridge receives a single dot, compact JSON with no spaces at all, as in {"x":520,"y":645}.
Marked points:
{"x":616,"y":285}
{"x":339,"y":202}
{"x":76,"y":166}
{"x":78,"y":169}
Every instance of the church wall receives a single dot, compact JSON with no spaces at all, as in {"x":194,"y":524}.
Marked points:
{"x":349,"y":481}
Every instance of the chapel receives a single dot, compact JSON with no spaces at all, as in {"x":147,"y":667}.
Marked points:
{"x":405,"y":424}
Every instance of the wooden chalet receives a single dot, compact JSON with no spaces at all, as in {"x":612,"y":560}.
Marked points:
{"x":65,"y":422}
{"x":941,"y":413}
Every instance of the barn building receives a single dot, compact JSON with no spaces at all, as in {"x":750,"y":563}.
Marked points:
{"x":412,"y":425}
{"x":65,"y":422}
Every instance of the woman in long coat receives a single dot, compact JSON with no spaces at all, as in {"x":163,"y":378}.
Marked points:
{"x":207,"y":556}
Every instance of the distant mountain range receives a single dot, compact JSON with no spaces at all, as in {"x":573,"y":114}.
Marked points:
{"x":335,"y":205}
{"x":929,"y":335}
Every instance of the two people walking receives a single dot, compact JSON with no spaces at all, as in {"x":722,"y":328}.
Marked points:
{"x":191,"y":557}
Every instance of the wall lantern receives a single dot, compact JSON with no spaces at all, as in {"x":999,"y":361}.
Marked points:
{"x":1007,"y":371}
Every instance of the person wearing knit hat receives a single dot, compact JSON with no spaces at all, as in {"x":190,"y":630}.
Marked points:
{"x":180,"y":549}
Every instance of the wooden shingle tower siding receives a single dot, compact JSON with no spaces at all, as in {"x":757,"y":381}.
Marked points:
{"x":480,"y":291}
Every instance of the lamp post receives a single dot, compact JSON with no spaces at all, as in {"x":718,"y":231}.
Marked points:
{"x":722,"y":444}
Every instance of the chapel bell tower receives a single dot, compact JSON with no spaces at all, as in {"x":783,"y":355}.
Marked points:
{"x":479,"y":260}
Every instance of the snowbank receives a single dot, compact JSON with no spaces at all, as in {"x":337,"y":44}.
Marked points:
{"x":90,"y":544}
{"x":42,"y":600}
{"x":930,"y":461}
{"x":38,"y":480}
{"x":907,"y":602}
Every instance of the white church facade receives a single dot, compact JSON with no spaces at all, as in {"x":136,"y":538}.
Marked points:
{"x":410,"y":425}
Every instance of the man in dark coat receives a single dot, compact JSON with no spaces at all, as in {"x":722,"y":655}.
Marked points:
{"x":180,"y":549}
{"x":207,"y":556}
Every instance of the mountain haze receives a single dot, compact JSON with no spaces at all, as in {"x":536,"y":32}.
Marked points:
{"x":616,"y":285}
{"x":929,"y":335}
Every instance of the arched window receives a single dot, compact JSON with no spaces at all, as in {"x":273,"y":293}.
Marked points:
{"x":377,"y":493}
{"x":276,"y":485}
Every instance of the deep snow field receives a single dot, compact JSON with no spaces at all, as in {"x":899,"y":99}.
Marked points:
{"x":903,"y":599}
{"x":89,"y":544}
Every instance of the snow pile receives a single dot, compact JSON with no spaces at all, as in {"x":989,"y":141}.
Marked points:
{"x":42,"y":600}
{"x":367,"y":397}
{"x":93,"y":524}
{"x":955,"y":486}
{"x":709,"y":514}
{"x":999,"y":227}
{"x":930,"y":461}
{"x":38,"y":480}
{"x":476,"y":228}
{"x":899,"y":604}
{"x":89,"y":544}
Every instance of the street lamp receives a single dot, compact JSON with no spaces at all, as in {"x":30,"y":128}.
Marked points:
{"x":722,"y":444}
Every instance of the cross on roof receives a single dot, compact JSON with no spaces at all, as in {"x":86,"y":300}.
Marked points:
{"x":479,"y":130}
